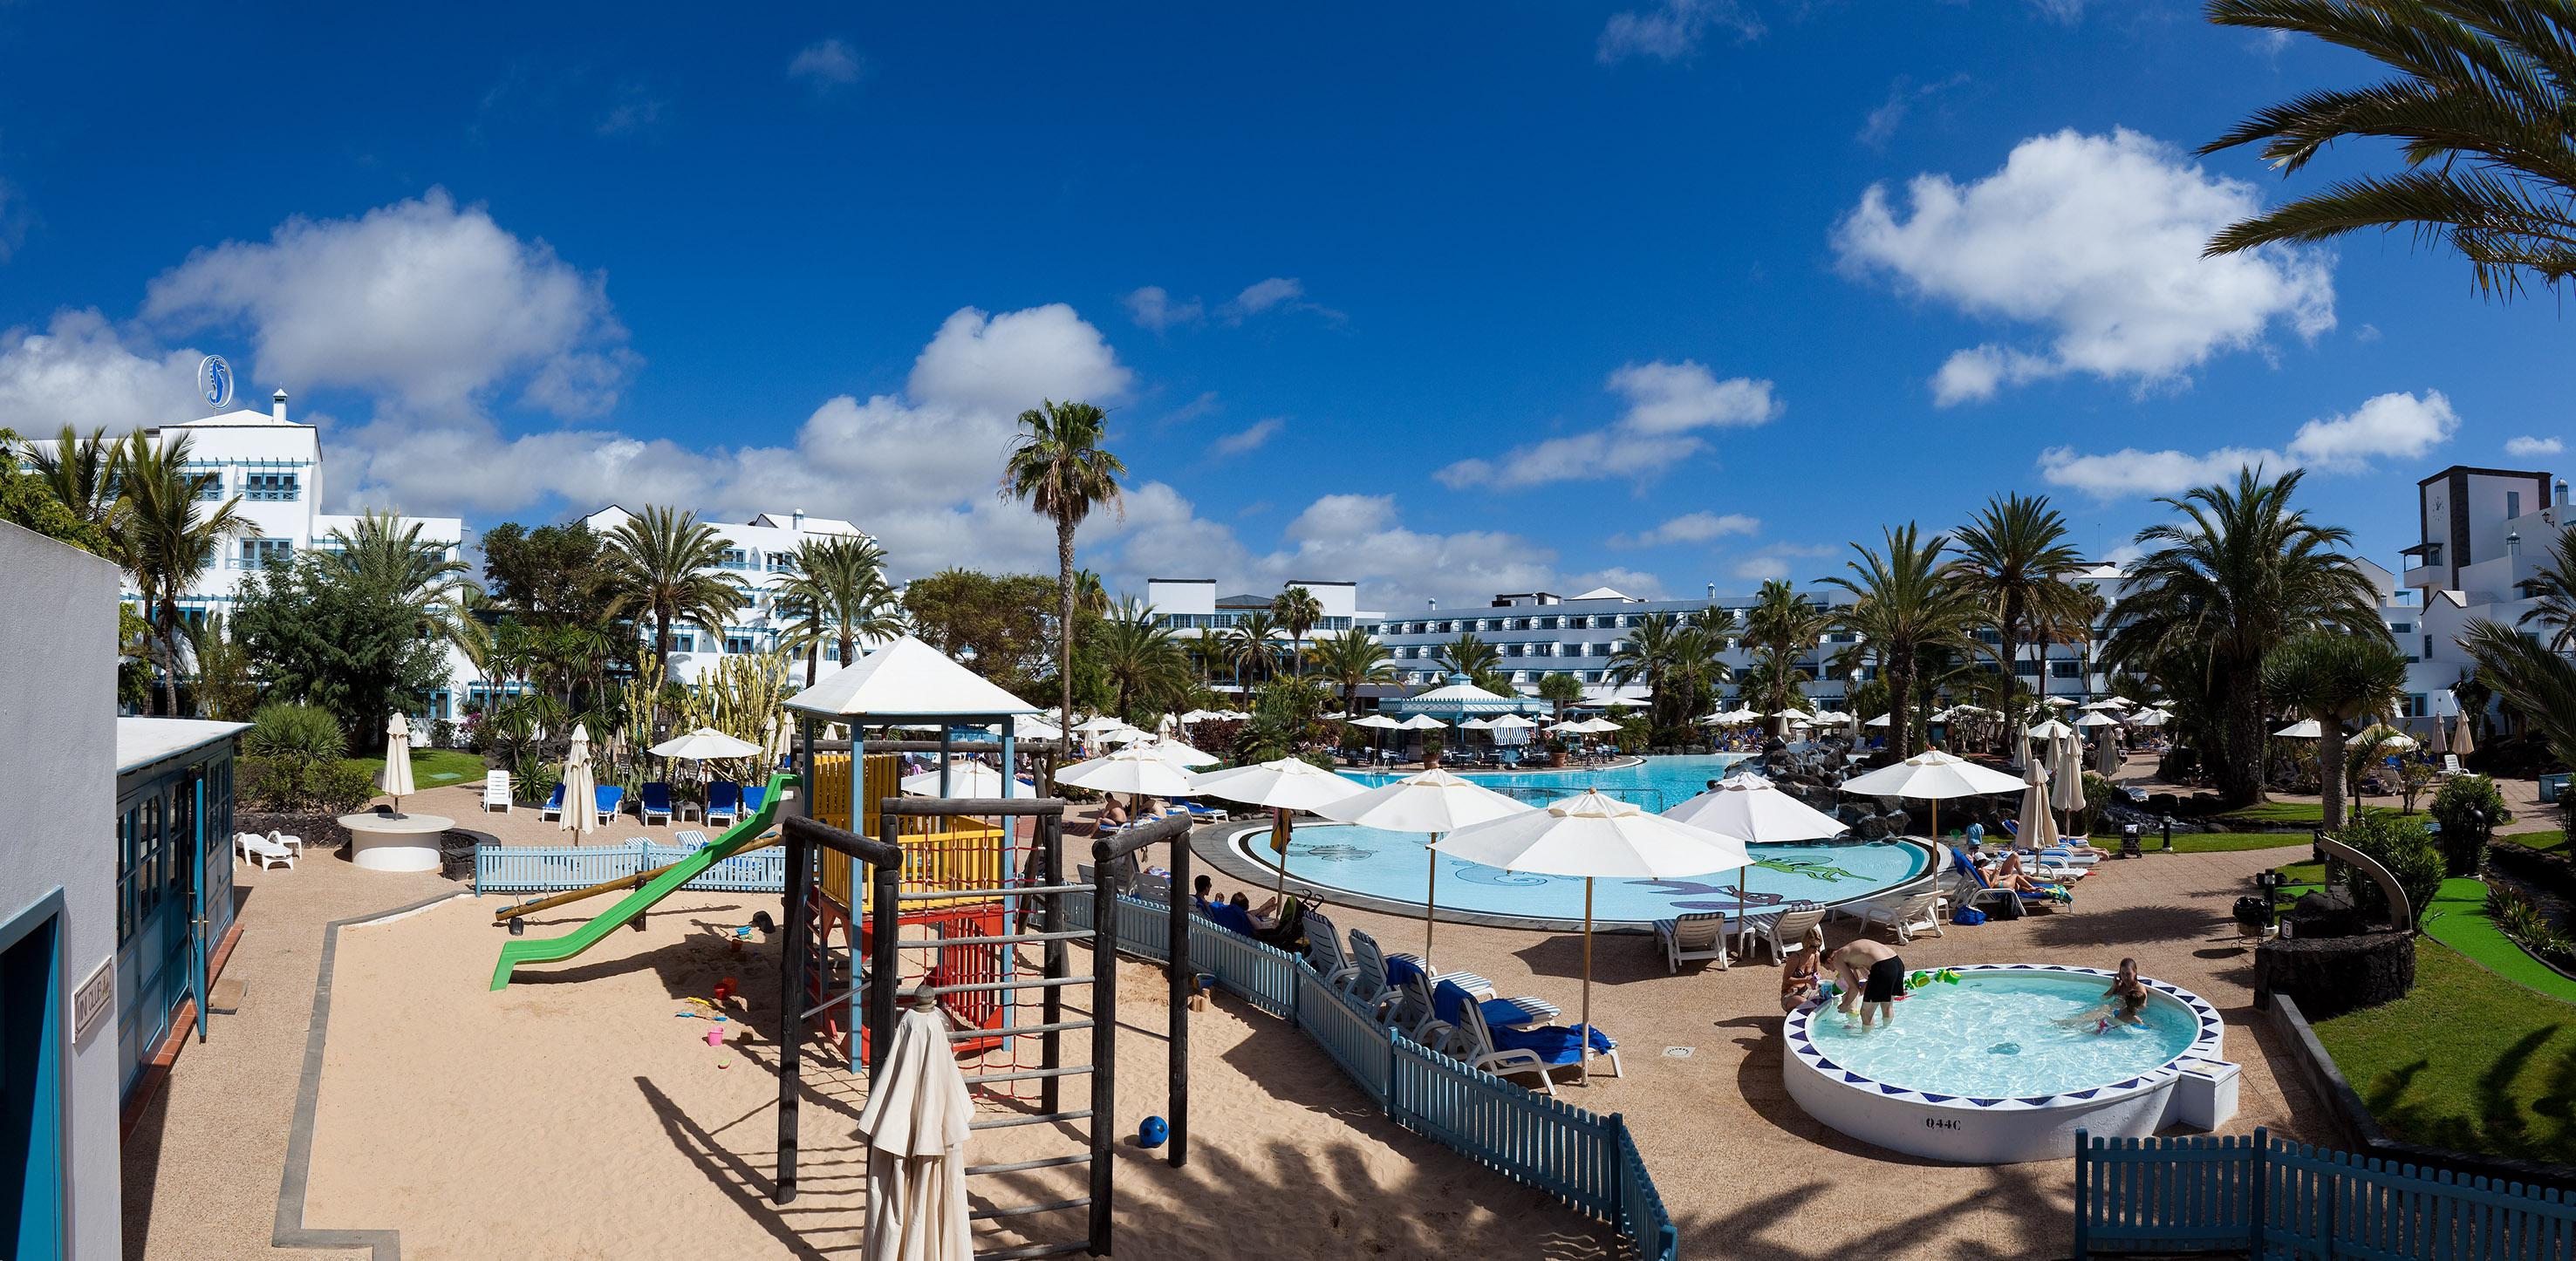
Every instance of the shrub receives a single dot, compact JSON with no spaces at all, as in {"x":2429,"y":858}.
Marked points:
{"x":270,"y":784}
{"x":2400,"y":845}
{"x":299,"y":735}
{"x":442,"y":734}
{"x":2520,"y":920}
{"x":337,"y":787}
{"x":2468,"y":807}
{"x":534,"y":779}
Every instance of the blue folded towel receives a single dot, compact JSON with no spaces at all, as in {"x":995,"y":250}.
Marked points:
{"x":1400,"y":971}
{"x":1553,"y":1043}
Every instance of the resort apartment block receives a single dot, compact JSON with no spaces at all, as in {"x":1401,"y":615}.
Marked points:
{"x":759,"y":556}
{"x":2483,"y":534}
{"x":274,"y":465}
{"x":1192,"y":608}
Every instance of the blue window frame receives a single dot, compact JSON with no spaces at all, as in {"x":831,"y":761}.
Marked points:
{"x":739,"y":644}
{"x":270,"y":488}
{"x":262,"y":553}
{"x":33,"y":1047}
{"x":733,"y":558}
{"x":210,"y":484}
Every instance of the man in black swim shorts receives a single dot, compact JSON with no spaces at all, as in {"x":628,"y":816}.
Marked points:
{"x":1872,"y":977}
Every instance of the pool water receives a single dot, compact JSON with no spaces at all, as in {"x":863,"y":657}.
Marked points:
{"x":1655,"y":783}
{"x":1997,"y":1035}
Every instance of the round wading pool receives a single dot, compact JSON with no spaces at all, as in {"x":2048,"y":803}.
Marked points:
{"x":1390,"y":871}
{"x":2000,"y":1067}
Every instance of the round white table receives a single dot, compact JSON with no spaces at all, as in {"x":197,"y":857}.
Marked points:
{"x":408,"y":842}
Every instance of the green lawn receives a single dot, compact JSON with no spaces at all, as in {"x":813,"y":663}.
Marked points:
{"x":2458,"y":919}
{"x":2220,"y":842}
{"x":2284,"y":813}
{"x":431,"y":768}
{"x":2553,"y":842}
{"x":2469,"y":1060}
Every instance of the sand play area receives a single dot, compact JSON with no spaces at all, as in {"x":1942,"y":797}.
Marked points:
{"x":575,"y":1115}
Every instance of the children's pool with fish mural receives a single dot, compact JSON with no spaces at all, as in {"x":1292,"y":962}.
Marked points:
{"x":1396,"y":867}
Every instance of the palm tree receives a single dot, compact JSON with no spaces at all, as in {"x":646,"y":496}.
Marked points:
{"x":1659,"y":652}
{"x":1470,"y":656}
{"x":1297,"y":610}
{"x":661,"y":567}
{"x":1559,"y":690}
{"x":2334,"y":679}
{"x":2553,"y":587}
{"x":382,"y":554}
{"x":1060,"y":469}
{"x":1906,"y":604}
{"x":164,"y":536}
{"x":1088,"y":595}
{"x":1352,"y":660}
{"x":1139,"y":656}
{"x":840,"y":592}
{"x":2240,"y":574}
{"x":82,"y":473}
{"x":2014,"y":558}
{"x":1252,"y":646}
{"x":2532,"y":680}
{"x":1781,"y":627}
{"x":2479,"y":107}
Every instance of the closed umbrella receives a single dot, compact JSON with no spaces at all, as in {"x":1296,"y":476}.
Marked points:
{"x":2066,"y":780}
{"x":580,"y":788}
{"x":917,"y":1119}
{"x":2038,"y":825}
{"x":396,"y":779}
{"x":2467,"y":743}
{"x":1280,"y":786}
{"x":1433,"y":801}
{"x":2441,"y":742}
{"x":2107,"y":764}
{"x":1593,"y":836}
{"x":1933,"y":776}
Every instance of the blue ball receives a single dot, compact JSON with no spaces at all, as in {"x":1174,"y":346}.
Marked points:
{"x":1153,"y":1132}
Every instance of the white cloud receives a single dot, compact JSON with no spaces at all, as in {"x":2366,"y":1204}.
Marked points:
{"x":1672,"y":30}
{"x":634,"y":111}
{"x":2526,"y":447}
{"x":1694,"y":527}
{"x":826,"y":66}
{"x":1004,"y":364}
{"x":1248,"y":438}
{"x":1278,"y":293}
{"x":2069,"y":12}
{"x":80,"y":371}
{"x":1902,"y":95}
{"x":431,"y":303}
{"x":2392,"y":426}
{"x":2096,"y":241}
{"x":1154,"y":309}
{"x":1667,"y":404}
{"x":1761,"y":568}
{"x":2124,"y":555}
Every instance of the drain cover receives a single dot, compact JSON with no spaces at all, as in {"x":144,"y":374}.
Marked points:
{"x":1677,"y":1052}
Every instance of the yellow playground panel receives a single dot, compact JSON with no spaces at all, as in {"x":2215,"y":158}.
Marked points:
{"x":960,"y":853}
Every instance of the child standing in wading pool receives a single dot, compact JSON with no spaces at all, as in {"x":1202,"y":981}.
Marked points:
{"x":1872,"y":976}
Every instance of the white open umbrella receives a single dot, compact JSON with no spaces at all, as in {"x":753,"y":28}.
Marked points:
{"x":1592,"y":726}
{"x":1281,"y":785}
{"x":1433,"y":801}
{"x":1379,"y":721}
{"x":917,"y":1119}
{"x":703,"y":744}
{"x":2151,"y":718}
{"x":2059,"y":701}
{"x":1933,"y":776}
{"x":1135,"y":772}
{"x":2097,"y":718}
{"x":1125,"y":735}
{"x":2051,"y":730}
{"x":1509,"y":722}
{"x":1592,"y":836}
{"x":1880,"y":721}
{"x":2304,"y":729}
{"x":2399,"y":741}
{"x":1104,"y":722}
{"x":1180,"y":753}
{"x":1475,"y":724}
{"x":580,"y":788}
{"x":1747,"y":805}
{"x":396,"y":779}
{"x":1422,"y":722}
{"x":966,"y":778}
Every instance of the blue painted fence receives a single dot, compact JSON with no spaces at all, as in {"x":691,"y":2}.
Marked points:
{"x":526,"y":869}
{"x":2266,"y":1198}
{"x":1589,"y":1161}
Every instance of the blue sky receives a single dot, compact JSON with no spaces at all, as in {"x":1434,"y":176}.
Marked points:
{"x":1448,"y":299}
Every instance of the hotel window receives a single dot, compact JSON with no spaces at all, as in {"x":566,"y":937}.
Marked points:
{"x":732,"y":558}
{"x":2401,"y":628}
{"x":269,"y":488}
{"x":2512,"y":504}
{"x":262,"y":553}
{"x":2064,"y":669}
{"x":210,"y":484}
{"x":739,"y":644}
{"x":782,"y":562}
{"x":682,"y":641}
{"x":2415,"y":707}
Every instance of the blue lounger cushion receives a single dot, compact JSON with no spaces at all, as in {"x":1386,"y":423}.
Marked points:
{"x":1554,"y":1043}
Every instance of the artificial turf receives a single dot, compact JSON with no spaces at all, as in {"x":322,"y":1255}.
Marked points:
{"x":2458,"y":919}
{"x":2550,"y":842}
{"x":431,"y":768}
{"x":2468,"y":1060}
{"x":2217,"y":842}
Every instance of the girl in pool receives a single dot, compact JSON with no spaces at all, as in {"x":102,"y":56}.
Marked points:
{"x":2124,"y":979}
{"x":2127,"y":1007}
{"x":1801,"y":976}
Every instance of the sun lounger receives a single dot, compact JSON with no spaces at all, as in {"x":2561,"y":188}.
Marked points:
{"x":1367,"y":984}
{"x":264,"y":852}
{"x":605,"y":801}
{"x":1697,"y":936}
{"x":751,"y":797}
{"x":656,"y":803}
{"x":724,"y":802}
{"x":1324,"y":949}
{"x":294,"y":844}
{"x":1974,"y":890}
{"x":1903,"y":917}
{"x":1152,"y":887}
{"x":553,"y":809}
{"x":1200,"y":813}
{"x":1780,"y":931}
{"x":1512,"y":1052}
{"x":496,"y":791}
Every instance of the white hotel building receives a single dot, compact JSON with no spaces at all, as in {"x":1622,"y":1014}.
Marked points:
{"x":2483,"y":533}
{"x":759,"y":556}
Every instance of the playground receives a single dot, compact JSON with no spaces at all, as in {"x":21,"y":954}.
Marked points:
{"x":443,"y":1107}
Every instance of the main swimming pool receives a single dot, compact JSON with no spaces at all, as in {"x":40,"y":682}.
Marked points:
{"x":1392,"y":870}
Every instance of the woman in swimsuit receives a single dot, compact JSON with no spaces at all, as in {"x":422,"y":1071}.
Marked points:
{"x":1802,"y":976}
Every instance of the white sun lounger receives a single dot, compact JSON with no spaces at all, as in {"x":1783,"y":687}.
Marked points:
{"x":1700,"y":935}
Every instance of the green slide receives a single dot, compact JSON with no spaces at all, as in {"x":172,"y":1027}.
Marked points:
{"x":736,"y":839}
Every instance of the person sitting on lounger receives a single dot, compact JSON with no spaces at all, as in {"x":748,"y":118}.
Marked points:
{"x":1803,"y":975}
{"x":1112,"y":815}
{"x":1202,"y":895}
{"x":1265,"y":917}
{"x":1871,"y":976}
{"x":2009,"y":874}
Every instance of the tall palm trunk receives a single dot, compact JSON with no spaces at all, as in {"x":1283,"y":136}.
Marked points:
{"x":2240,"y":770}
{"x":1064,"y":618}
{"x":813,"y":658}
{"x":168,"y":631}
{"x":849,"y":647}
{"x":1900,"y":706}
